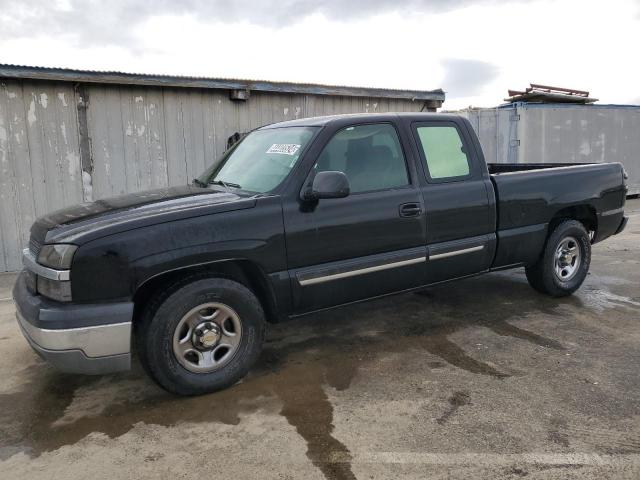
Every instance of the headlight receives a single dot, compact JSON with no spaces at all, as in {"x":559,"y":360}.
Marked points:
{"x":57,"y":256}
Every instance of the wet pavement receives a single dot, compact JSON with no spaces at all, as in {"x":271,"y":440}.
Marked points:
{"x":482,"y":378}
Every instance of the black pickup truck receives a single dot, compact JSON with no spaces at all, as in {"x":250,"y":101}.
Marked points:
{"x":297,"y":217}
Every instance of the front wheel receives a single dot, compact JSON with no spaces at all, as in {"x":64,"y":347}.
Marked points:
{"x":201,"y":335}
{"x":565,"y":261}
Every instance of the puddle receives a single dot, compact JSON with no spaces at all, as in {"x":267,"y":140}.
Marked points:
{"x":301,"y":360}
{"x":600,"y":300}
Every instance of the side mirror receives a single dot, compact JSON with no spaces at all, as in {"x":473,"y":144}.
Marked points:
{"x":328,"y":185}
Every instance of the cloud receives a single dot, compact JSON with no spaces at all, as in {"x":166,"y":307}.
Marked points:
{"x":99,"y":22}
{"x":465,"y":78}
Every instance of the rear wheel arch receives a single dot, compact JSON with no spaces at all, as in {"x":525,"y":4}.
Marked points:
{"x":584,"y":213}
{"x":244,"y":272}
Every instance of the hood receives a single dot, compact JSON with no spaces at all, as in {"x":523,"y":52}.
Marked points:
{"x":134,"y":210}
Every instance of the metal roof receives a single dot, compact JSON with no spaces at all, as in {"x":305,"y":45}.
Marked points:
{"x":123,"y":78}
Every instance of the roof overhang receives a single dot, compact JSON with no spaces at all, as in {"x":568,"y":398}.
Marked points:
{"x":122,"y":78}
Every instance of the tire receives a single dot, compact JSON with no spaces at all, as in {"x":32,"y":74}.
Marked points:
{"x":187,"y":360}
{"x":559,"y":271}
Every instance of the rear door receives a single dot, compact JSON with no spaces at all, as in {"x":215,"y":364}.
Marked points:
{"x":460,"y":211}
{"x":370,"y":243}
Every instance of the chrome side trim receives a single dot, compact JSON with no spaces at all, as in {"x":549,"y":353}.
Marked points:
{"x":29,"y":261}
{"x":456,"y":252}
{"x":361,"y":271}
{"x":96,"y":341}
{"x":612,"y":212}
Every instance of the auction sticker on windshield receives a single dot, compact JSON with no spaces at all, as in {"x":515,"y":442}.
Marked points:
{"x":284,"y":148}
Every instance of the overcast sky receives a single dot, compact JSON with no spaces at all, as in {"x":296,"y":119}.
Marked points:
{"x":474,"y":49}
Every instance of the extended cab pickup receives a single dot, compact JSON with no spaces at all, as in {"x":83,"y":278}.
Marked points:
{"x":297,"y":217}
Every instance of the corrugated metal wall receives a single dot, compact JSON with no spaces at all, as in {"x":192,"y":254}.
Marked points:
{"x":61,"y":145}
{"x":528,"y":133}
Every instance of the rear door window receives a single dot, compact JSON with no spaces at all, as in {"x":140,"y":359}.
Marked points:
{"x":443,"y":152}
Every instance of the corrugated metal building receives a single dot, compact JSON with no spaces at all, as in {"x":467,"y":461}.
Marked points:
{"x":68,"y":136}
{"x":561,"y":133}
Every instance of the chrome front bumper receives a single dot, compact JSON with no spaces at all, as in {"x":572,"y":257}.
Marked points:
{"x":89,"y":339}
{"x":90,"y":350}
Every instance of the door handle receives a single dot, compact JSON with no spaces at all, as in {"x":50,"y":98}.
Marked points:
{"x":410,"y":210}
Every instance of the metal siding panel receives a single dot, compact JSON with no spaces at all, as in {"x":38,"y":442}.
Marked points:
{"x":220,"y":140}
{"x":175,"y":137}
{"x":25,"y":206}
{"x":209,"y":130}
{"x":375,"y":105}
{"x":508,"y":135}
{"x":285,"y":108}
{"x":229,"y":119}
{"x":495,"y":129}
{"x":486,"y":130}
{"x":243,"y":114}
{"x":297,"y":106}
{"x":330,"y":105}
{"x":583,"y":134}
{"x":104,"y":122}
{"x":154,"y":139}
{"x":355,"y":105}
{"x":49,"y":127}
{"x":383,"y":105}
{"x":266,"y":112}
{"x":321,"y":106}
{"x":309,"y":109}
{"x":130,"y":138}
{"x":40,"y":159}
{"x":9,"y":198}
{"x":338,"y":106}
{"x":254,"y":114}
{"x":562,"y":134}
{"x":36,"y":158}
{"x":144,"y":149}
{"x":194,"y":133}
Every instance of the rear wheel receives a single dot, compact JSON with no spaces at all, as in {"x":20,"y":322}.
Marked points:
{"x":201,"y":335}
{"x":565,"y":260}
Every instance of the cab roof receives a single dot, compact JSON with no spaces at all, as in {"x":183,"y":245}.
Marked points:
{"x":365,"y":117}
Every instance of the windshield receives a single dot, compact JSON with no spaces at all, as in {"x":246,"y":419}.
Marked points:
{"x":261,"y":161}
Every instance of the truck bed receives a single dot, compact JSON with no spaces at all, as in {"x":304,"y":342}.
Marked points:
{"x":529,"y":196}
{"x":498,"y":168}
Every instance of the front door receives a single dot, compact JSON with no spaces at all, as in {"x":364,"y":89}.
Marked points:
{"x":369,"y":243}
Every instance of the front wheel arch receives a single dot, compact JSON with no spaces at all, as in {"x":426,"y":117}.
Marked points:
{"x":244,"y":272}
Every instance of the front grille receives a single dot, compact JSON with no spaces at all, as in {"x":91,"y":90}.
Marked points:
{"x":34,"y":247}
